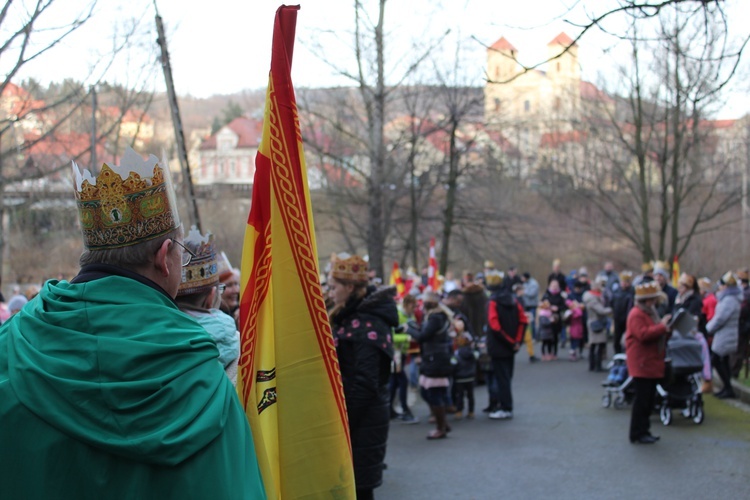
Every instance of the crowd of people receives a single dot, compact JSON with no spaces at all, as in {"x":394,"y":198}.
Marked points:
{"x":158,"y":402}
{"x":470,"y":331}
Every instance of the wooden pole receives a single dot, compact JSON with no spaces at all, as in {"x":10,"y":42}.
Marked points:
{"x":194,"y":217}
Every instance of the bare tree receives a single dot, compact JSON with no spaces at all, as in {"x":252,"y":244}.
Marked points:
{"x":42,"y":130}
{"x":653,"y":168}
{"x":375,"y":88}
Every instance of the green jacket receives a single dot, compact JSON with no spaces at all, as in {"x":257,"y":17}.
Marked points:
{"x":107,"y":390}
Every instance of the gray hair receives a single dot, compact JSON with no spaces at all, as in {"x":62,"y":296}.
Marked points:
{"x":131,"y":257}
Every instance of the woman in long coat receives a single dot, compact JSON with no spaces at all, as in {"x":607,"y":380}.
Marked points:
{"x":645,"y":347}
{"x":361,"y":319}
{"x":724,"y":327}
{"x":596,"y":322}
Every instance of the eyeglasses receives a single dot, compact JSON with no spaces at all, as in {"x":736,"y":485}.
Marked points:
{"x":187,"y":255}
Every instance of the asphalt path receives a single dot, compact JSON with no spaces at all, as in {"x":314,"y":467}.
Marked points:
{"x":563,"y":444}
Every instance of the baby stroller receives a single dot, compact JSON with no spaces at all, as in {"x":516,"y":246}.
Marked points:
{"x":618,"y":386}
{"x":681,"y":387}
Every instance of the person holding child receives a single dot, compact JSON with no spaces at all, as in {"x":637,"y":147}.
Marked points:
{"x":546,"y":330}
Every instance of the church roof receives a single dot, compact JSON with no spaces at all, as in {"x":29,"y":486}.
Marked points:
{"x":503,"y":44}
{"x":562,"y":39}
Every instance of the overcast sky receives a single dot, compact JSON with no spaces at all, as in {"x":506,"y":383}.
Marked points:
{"x":223,"y":46}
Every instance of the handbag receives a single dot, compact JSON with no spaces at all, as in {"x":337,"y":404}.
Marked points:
{"x":598,"y":325}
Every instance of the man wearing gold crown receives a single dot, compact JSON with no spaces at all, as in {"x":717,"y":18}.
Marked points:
{"x":107,"y":390}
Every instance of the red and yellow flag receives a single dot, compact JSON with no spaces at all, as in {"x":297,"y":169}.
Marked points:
{"x":432,"y":277}
{"x":289,"y":379}
{"x":397,"y":280}
{"x":675,"y":272}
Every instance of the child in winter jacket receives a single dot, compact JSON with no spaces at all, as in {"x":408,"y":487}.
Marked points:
{"x":575,"y":330}
{"x":465,"y":356}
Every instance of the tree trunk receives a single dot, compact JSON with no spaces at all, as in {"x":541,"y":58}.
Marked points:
{"x":375,"y":236}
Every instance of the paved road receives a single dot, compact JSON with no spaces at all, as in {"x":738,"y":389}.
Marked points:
{"x":562,"y":444}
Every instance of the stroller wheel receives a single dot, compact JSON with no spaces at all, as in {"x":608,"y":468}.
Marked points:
{"x":606,"y":400}
{"x":620,"y":402}
{"x":698,"y":416}
{"x":665,"y":414}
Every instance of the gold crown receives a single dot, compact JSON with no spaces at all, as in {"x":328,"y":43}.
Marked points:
{"x":353,"y":268}
{"x":202,"y":272}
{"x":626,"y":276}
{"x":115,"y":213}
{"x":494,"y":278}
{"x":647,"y":290}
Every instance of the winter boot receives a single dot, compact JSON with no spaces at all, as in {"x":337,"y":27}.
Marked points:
{"x":441,"y":431}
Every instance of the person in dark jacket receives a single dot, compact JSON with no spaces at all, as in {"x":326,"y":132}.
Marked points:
{"x":557,"y":275}
{"x":646,"y":342}
{"x":362,"y":318}
{"x":662,"y":275}
{"x":689,"y":295}
{"x":506,"y":324}
{"x":557,"y":305}
{"x":737,"y":360}
{"x":622,"y":303}
{"x":511,"y":278}
{"x":464,"y":374}
{"x":474,"y":306}
{"x":435,"y":347}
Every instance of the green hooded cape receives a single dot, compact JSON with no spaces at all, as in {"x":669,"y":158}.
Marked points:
{"x":107,"y":390}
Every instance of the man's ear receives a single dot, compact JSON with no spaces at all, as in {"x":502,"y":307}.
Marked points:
{"x":160,"y":259}
{"x":211,"y":298}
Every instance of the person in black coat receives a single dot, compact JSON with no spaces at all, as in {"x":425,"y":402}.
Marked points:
{"x":622,"y":302}
{"x":689,"y":295}
{"x":554,"y":296}
{"x":362,"y":318}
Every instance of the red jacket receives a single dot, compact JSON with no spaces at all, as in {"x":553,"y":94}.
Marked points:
{"x":709,"y":305}
{"x":645,"y":345}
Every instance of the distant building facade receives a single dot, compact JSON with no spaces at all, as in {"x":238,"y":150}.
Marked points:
{"x":228,"y":156}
